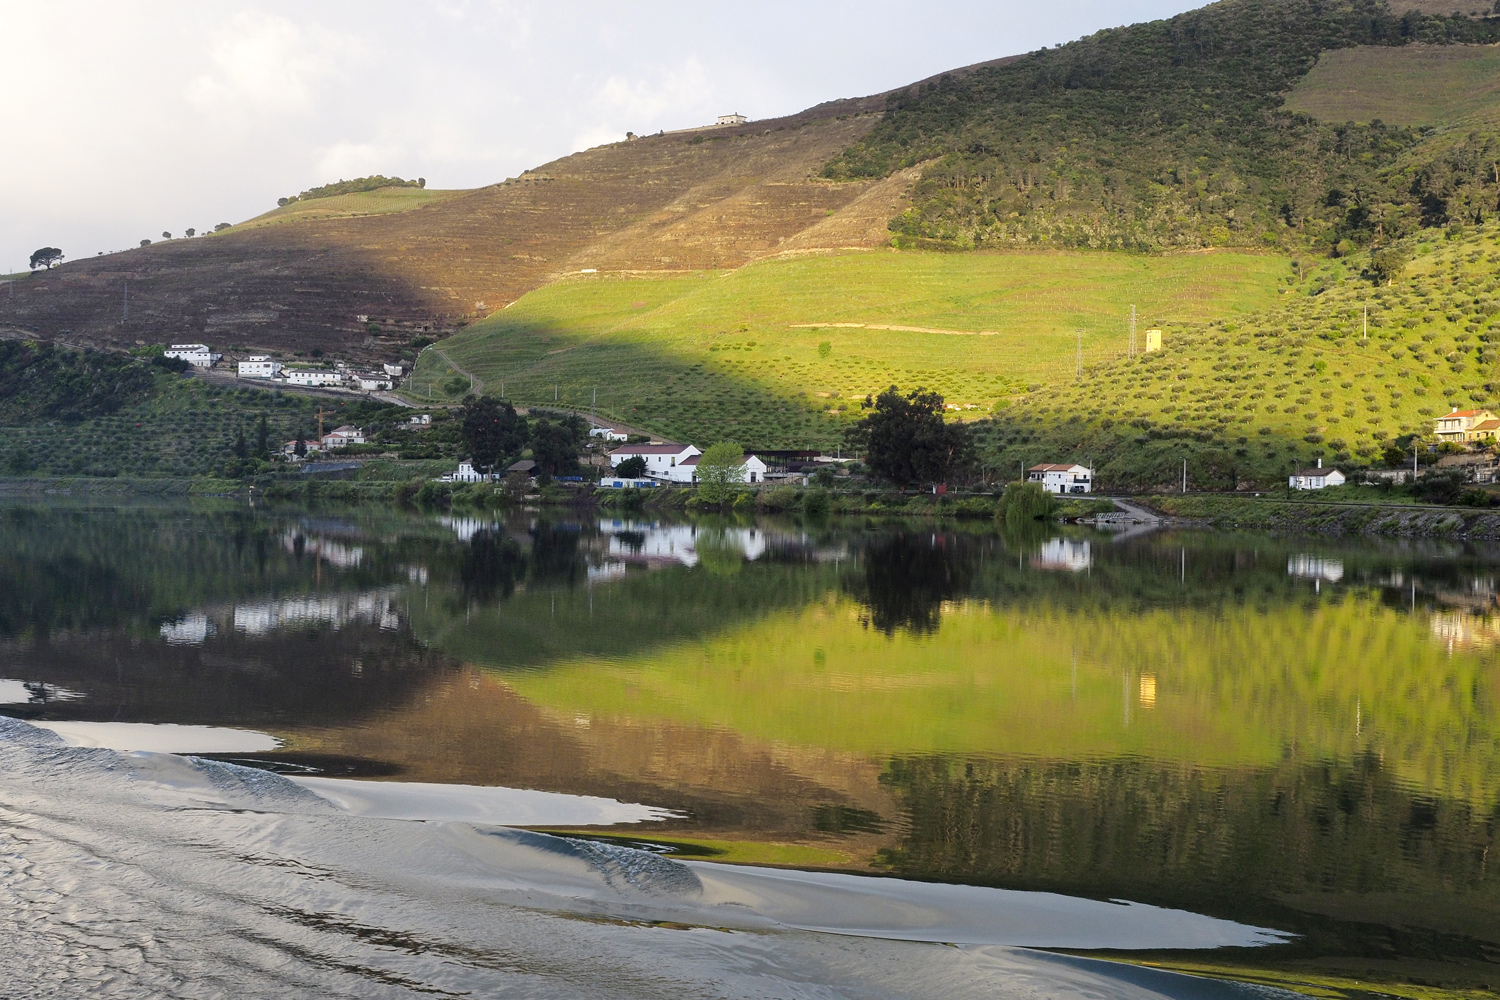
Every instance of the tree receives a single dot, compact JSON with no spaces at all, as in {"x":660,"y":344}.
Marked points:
{"x":145,"y":243}
{"x":262,"y":438}
{"x":633,"y":467}
{"x":1387,"y":263}
{"x":1024,"y":501}
{"x":221,"y":227}
{"x":555,"y":444}
{"x":300,"y":448}
{"x":906,"y":440}
{"x":241,"y":449}
{"x":191,"y":232}
{"x":720,"y":471}
{"x":491,"y":431}
{"x":45,"y":257}
{"x":166,"y":235}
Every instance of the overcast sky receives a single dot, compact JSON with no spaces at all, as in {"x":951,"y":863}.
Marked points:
{"x":122,"y":120}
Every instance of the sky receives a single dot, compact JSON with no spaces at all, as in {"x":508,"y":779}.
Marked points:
{"x":126,"y":120}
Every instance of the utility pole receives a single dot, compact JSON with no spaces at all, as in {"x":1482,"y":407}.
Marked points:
{"x":1132,"y":331}
{"x":1184,"y":475}
{"x":1367,"y":322}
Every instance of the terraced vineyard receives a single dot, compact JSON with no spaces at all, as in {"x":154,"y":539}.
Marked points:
{"x":1247,"y":399}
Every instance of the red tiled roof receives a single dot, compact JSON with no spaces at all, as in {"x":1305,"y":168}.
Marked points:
{"x":1316,"y":473}
{"x":1046,"y":467}
{"x":1464,"y":413}
{"x":690,"y":461}
{"x":1487,"y":425}
{"x":650,"y":449}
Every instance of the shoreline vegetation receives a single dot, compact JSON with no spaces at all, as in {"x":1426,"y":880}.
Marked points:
{"x":1379,"y":514}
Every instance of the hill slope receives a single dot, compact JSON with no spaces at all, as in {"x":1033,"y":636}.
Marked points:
{"x":709,"y":198}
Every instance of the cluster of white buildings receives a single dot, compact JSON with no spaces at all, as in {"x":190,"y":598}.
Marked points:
{"x":263,"y":366}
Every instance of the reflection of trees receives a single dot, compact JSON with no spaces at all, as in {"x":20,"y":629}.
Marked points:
{"x":492,"y":565}
{"x":1236,"y":843}
{"x":556,"y":557}
{"x":904,"y":579}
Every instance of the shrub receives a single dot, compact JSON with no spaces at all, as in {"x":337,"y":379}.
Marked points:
{"x":1026,"y":502}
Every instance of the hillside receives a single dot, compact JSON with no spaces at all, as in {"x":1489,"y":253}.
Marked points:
{"x":1173,"y":134}
{"x":779,"y":354}
{"x":711,"y":198}
{"x":1246,"y":400}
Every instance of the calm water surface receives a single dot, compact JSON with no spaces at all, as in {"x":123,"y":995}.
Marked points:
{"x":1295,"y":733}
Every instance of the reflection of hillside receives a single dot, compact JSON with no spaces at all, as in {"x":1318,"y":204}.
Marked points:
{"x":281,"y":678}
{"x":472,"y":728}
{"x":1294,"y":843}
{"x":1239,"y":686}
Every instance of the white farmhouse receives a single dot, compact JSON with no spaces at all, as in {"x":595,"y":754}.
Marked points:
{"x":752,"y":471}
{"x":394,"y":370}
{"x":1316,"y":478}
{"x":466,"y":473}
{"x":314,"y":376}
{"x":197,"y":355}
{"x":371,"y":381}
{"x":731,"y":119}
{"x":341,"y":436}
{"x":259,"y":366}
{"x":661,"y":459}
{"x":1062,"y":478}
{"x":418,"y":421}
{"x":608,"y":434}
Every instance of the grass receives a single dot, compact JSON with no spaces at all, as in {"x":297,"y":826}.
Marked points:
{"x":1412,"y":85}
{"x":383,"y":201}
{"x":759,"y":354}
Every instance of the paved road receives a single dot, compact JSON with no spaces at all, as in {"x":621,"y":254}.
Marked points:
{"x":1139,"y":513}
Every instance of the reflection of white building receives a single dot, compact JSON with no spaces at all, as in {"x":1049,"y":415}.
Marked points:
{"x":189,"y":630}
{"x":334,"y":553}
{"x":335,"y":610}
{"x":1064,"y":554}
{"x":1462,"y":628}
{"x":467,"y":527}
{"x":631,"y":541}
{"x":1310,"y":567}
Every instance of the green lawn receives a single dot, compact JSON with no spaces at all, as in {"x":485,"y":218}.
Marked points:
{"x":759,"y":354}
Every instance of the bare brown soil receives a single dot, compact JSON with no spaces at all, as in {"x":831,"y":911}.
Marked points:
{"x":707,"y":199}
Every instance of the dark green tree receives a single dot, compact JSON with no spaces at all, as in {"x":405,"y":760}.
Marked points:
{"x":555,"y":444}
{"x":906,"y":441}
{"x":491,"y":431}
{"x":633,"y":467}
{"x":262,"y":438}
{"x":45,"y":257}
{"x":241,"y":449}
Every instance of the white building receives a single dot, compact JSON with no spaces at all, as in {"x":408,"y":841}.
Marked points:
{"x":617,"y":483}
{"x":314,"y":376}
{"x":420,"y":420}
{"x":341,"y":436}
{"x":466,"y":473}
{"x":259,"y":366}
{"x":371,"y":381}
{"x":394,"y":371}
{"x":661,"y":459}
{"x":608,"y":434}
{"x":1062,"y":478}
{"x":732,"y":119}
{"x":1316,"y":478}
{"x":308,"y":447}
{"x":752,"y":471}
{"x":197,"y":355}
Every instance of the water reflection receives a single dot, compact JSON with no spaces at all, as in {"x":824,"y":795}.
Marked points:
{"x":1299,"y":732}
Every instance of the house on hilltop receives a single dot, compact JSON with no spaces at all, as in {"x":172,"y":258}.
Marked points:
{"x":732,"y":119}
{"x":1062,"y":478}
{"x":197,"y":355}
{"x":1316,"y":478}
{"x":1466,"y":426}
{"x":340,"y":436}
